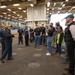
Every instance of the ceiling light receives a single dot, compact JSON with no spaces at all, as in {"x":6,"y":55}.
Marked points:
{"x":67,"y":0}
{"x":9,"y":9}
{"x":47,"y":12}
{"x":52,"y":8}
{"x":5,"y":17}
{"x":31,"y":5}
{"x":1,"y":16}
{"x":63,"y":5}
{"x":47,"y":8}
{"x":58,"y":12}
{"x":14,"y":12}
{"x":59,"y":8}
{"x":24,"y":11}
{"x":18,"y":15}
{"x":48,"y":4}
{"x":13,"y":16}
{"x":28,"y":0}
{"x":9,"y":15}
{"x":16,"y":4}
{"x":73,"y":7}
{"x":54,"y":4}
{"x":3,"y":6}
{"x":4,"y":13}
{"x":19,"y":8}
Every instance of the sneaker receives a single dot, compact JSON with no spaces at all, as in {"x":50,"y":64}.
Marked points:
{"x":48,"y":54}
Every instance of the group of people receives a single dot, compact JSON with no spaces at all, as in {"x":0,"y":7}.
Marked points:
{"x":44,"y":35}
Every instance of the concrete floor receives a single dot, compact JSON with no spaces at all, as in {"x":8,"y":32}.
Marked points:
{"x":25,"y":56}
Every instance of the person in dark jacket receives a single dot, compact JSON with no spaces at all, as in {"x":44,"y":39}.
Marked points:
{"x":2,"y":36}
{"x":43,"y":34}
{"x":20,"y":35}
{"x":59,"y":40}
{"x":8,"y":45}
{"x":26,"y":33}
{"x":70,"y":43}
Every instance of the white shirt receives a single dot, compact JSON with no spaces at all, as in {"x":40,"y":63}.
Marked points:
{"x":72,"y":30}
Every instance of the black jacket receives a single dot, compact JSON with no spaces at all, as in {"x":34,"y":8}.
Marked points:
{"x":68,"y":36}
{"x":8,"y":36}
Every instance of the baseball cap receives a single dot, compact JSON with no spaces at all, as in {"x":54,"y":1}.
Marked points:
{"x":70,"y":16}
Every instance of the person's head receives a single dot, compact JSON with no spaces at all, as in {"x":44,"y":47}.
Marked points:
{"x":51,"y":24}
{"x":57,"y":24}
{"x":60,"y":29}
{"x":8,"y":26}
{"x":69,"y":19}
{"x":42,"y":25}
{"x":36,"y":26}
{"x":49,"y":27}
{"x":2,"y":26}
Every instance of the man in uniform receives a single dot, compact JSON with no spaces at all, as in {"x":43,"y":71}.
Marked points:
{"x":2,"y":36}
{"x":70,"y":43}
{"x":8,"y":45}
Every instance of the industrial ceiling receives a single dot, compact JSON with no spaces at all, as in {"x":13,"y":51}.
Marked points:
{"x":17,"y":9}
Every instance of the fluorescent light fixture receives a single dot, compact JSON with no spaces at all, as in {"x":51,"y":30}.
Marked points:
{"x":63,"y":5}
{"x":24,"y":11}
{"x":31,"y":5}
{"x":58,"y":12}
{"x":19,"y":8}
{"x":4,"y":13}
{"x":59,"y":8}
{"x":54,"y":4}
{"x":28,"y":0}
{"x":14,"y":12}
{"x":47,"y":12}
{"x":12,"y":16}
{"x":9,"y":15}
{"x":18,"y":15}
{"x":48,"y":4}
{"x":16,"y":4}
{"x":52,"y":8}
{"x":67,"y":0}
{"x":47,"y":8}
{"x":73,"y":7}
{"x":5,"y":17}
{"x":1,"y":16}
{"x":9,"y":9}
{"x":3,"y":6}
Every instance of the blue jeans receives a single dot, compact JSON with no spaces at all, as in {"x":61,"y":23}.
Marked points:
{"x":37,"y":40}
{"x":58,"y":48}
{"x":49,"y":41}
{"x":8,"y":50}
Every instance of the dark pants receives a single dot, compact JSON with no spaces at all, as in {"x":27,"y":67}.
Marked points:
{"x":20,"y":39}
{"x":26,"y":40}
{"x":3,"y":45}
{"x":8,"y":50}
{"x":31,"y":37}
{"x":58,"y":48}
{"x":43,"y":39}
{"x":70,"y":50}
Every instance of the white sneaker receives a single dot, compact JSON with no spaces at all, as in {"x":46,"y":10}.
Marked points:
{"x":48,"y":54}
